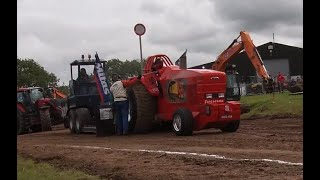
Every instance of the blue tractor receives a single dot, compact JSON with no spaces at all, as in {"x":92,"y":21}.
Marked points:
{"x":90,"y":101}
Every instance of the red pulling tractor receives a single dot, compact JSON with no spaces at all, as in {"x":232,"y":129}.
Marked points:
{"x":35,"y":112}
{"x":190,"y":99}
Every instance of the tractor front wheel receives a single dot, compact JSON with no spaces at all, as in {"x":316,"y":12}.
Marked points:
{"x":183,"y":122}
{"x":82,"y":115}
{"x":45,"y":119}
{"x":72,"y":121}
{"x":21,"y":124}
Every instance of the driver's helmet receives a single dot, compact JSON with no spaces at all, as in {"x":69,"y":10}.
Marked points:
{"x":158,"y":64}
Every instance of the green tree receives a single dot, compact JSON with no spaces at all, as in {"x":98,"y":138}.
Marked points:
{"x":30,"y":73}
{"x":114,"y":66}
{"x":124,"y":68}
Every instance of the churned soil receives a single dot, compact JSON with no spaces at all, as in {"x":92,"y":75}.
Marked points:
{"x":260,"y":149}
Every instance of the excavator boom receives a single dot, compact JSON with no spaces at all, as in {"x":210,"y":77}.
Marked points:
{"x":223,"y":59}
{"x":234,"y":49}
{"x":57,"y":94}
{"x":254,"y":55}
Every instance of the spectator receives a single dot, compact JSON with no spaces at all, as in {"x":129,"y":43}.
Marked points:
{"x":280,"y":80}
{"x":121,"y":104}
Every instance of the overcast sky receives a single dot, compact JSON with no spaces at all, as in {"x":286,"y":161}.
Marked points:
{"x":54,"y":33}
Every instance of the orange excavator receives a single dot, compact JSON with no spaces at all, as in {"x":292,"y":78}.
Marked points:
{"x":56,"y":93}
{"x":59,"y":108}
{"x":247,"y":45}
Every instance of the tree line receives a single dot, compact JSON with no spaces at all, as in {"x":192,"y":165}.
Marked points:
{"x":31,"y":73}
{"x":124,"y":68}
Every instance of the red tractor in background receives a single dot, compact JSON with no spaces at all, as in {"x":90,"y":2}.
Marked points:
{"x":34,"y":111}
{"x":58,"y":109}
{"x":190,"y":99}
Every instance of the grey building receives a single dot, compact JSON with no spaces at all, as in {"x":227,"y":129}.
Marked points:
{"x":283,"y":58}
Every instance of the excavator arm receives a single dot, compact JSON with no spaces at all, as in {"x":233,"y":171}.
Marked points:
{"x":223,"y":59}
{"x":59,"y":94}
{"x":235,"y":47}
{"x":254,"y":55}
{"x":56,"y":93}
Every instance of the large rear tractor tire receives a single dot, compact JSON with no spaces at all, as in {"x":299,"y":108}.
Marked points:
{"x":182,"y":122}
{"x":231,"y":126}
{"x":21,"y":124}
{"x":45,"y":119}
{"x":81,"y":116}
{"x":72,"y":121}
{"x":142,"y":108}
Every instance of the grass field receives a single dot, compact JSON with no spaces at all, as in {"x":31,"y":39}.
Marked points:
{"x":29,"y":170}
{"x":281,"y":105}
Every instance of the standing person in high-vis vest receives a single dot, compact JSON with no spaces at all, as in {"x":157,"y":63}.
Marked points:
{"x":121,"y":104}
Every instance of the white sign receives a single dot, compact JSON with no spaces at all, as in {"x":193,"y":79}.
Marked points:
{"x":226,"y":108}
{"x":213,"y":101}
{"x":106,"y":113}
{"x":226,"y":116}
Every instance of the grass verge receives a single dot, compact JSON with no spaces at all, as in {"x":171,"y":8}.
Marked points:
{"x":279,"y":106}
{"x":29,"y":170}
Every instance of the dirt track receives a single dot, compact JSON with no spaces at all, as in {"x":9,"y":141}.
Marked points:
{"x":124,"y":157}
